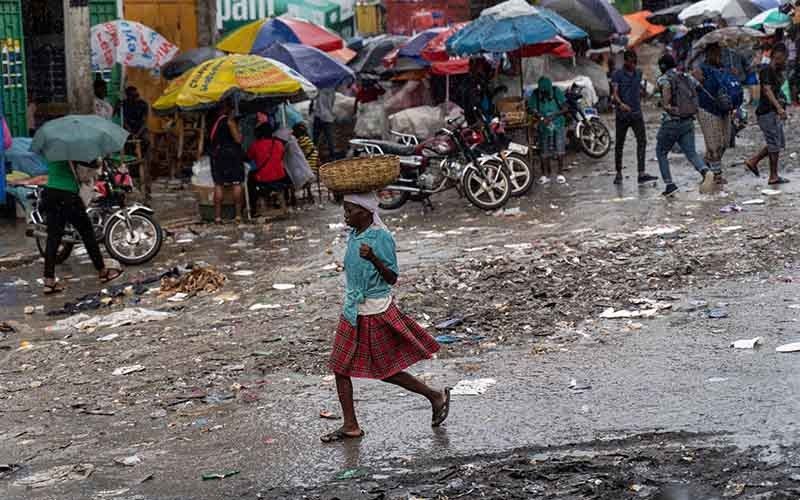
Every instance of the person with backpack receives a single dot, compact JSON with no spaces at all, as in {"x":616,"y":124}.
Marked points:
{"x":720,"y":94}
{"x":626,"y":85}
{"x":679,"y":101}
{"x":549,"y":105}
{"x":771,"y":113}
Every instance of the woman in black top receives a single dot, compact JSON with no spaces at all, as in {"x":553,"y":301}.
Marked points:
{"x":227,"y":160}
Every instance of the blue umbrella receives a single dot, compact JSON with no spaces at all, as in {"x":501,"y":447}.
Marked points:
{"x":318,"y":67}
{"x":493,"y":32}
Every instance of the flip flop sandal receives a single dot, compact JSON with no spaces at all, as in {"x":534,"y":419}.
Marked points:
{"x":440,"y":416}
{"x":339,"y":435}
{"x":780,"y":180}
{"x":752,"y":168}
{"x":52,"y":289}
{"x":110,"y":276}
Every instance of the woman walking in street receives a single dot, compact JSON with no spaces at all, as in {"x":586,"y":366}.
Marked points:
{"x":374,"y":338}
{"x":227,"y":160}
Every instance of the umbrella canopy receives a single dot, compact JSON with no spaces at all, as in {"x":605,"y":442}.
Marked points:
{"x":370,"y":57}
{"x":597,"y":17}
{"x":236,"y":75}
{"x":436,"y":48}
{"x":78,"y":138}
{"x":668,"y":16}
{"x":729,"y":37}
{"x":255,"y":37}
{"x":511,"y":26}
{"x":733,"y":12}
{"x":185,"y":61}
{"x":770,"y":20}
{"x":130,"y":44}
{"x":316,"y":66}
{"x":641,"y":29}
{"x":768,"y":4}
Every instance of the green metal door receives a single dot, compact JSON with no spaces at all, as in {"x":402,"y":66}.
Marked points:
{"x":101,"y":11}
{"x":12,"y":66}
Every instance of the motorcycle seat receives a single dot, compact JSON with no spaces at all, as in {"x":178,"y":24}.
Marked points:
{"x":393,"y":148}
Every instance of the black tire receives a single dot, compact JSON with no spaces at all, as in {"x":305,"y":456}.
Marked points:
{"x":499,"y":191}
{"x":148,"y":224}
{"x":392,"y":200}
{"x":64,"y":250}
{"x":595,"y":139}
{"x":523,"y":185}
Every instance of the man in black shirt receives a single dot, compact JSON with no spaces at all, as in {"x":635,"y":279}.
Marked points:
{"x":134,"y":113}
{"x":771,"y":113}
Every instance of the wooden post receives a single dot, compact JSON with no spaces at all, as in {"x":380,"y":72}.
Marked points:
{"x":77,"y":35}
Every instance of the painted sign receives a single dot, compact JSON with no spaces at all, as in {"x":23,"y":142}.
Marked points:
{"x":333,"y":14}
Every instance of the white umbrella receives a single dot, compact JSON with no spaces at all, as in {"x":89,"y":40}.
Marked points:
{"x":729,"y":37}
{"x":733,"y":12}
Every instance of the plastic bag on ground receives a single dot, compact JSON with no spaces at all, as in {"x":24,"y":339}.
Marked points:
{"x":201,"y":172}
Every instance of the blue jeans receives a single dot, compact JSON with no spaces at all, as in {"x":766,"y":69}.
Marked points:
{"x":680,"y":132}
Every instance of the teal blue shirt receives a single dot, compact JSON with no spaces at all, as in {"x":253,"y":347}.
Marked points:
{"x":363,"y":279}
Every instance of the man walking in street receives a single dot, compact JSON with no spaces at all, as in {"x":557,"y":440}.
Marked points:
{"x":771,"y":113}
{"x":627,"y":95}
{"x":679,"y":101}
{"x":324,"y":118}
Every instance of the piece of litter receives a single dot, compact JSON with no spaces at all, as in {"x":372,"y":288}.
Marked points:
{"x":219,"y":475}
{"x":328,"y":415}
{"x":106,"y":338}
{"x":125,"y":370}
{"x":717,"y":313}
{"x":747,"y":343}
{"x":518,"y":246}
{"x":727,"y":229}
{"x":714,"y":380}
{"x":329,"y":267}
{"x":770,"y":192}
{"x":509,"y":212}
{"x":611,"y":313}
{"x":128,"y":461}
{"x":657,"y":231}
{"x":449,"y":323}
{"x":336,"y":227}
{"x":757,"y":201}
{"x":576,"y":386}
{"x":791,"y":347}
{"x":259,"y":307}
{"x":472,"y":387}
{"x":244,"y":273}
{"x":178,"y":297}
{"x":282,"y":286}
{"x":730,"y":208}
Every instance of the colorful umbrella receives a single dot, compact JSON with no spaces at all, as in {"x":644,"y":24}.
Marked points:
{"x":257,"y":36}
{"x":436,"y":48}
{"x":511,"y":26}
{"x":597,"y":17}
{"x":318,"y":67}
{"x":771,"y":19}
{"x":78,"y":138}
{"x":642,"y":29}
{"x":129,"y":44}
{"x":185,"y":61}
{"x":733,"y":12}
{"x":236,"y":75}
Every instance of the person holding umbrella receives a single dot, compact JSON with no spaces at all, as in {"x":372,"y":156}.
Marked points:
{"x":68,"y":144}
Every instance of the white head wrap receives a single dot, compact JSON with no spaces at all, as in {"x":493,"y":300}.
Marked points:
{"x":369,"y":201}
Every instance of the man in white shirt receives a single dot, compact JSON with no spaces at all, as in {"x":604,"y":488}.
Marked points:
{"x":324,"y":119}
{"x":102,"y":108}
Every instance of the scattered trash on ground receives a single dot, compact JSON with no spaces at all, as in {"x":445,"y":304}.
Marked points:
{"x":178,"y":297}
{"x":770,"y":192}
{"x":128,"y":461}
{"x":107,"y":338}
{"x":791,"y":347}
{"x":259,"y":307}
{"x":509,"y":212}
{"x":472,"y":387}
{"x":727,"y":209}
{"x":55,"y":475}
{"x":130,"y":316}
{"x":349,"y":474}
{"x":199,"y":279}
{"x":125,"y":370}
{"x":243,"y":273}
{"x":747,"y":343}
{"x":576,"y":386}
{"x":756,"y":201}
{"x":717,"y":313}
{"x":328,"y":415}
{"x":728,"y":229}
{"x":449,"y":323}
{"x":657,"y":230}
{"x":219,"y":475}
{"x":283,"y":286}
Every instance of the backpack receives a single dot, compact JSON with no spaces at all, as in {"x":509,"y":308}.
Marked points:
{"x":684,"y":94}
{"x":726,"y":91}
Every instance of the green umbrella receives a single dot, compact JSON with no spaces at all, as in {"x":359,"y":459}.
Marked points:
{"x":78,"y":138}
{"x":770,"y":19}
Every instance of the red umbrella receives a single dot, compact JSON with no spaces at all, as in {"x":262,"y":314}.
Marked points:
{"x":435,"y":49}
{"x":314,"y":35}
{"x":556,"y":46}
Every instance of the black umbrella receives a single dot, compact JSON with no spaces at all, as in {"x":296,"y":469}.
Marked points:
{"x":668,"y":16}
{"x":187,"y":60}
{"x":370,"y":57}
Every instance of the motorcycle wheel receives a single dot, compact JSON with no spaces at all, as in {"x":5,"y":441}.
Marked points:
{"x":594,"y":138}
{"x":489,"y":194}
{"x":63,"y":253}
{"x":134,"y":249}
{"x":392,"y":200}
{"x":521,"y":175}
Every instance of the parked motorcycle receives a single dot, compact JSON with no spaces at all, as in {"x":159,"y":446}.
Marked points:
{"x":441,"y":162}
{"x":492,"y":140}
{"x":130,"y":234}
{"x":585,"y":125}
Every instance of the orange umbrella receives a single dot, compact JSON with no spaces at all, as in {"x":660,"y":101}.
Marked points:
{"x":641,"y":29}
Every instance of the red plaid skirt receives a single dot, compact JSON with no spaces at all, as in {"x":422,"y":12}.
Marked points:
{"x":382,"y":345}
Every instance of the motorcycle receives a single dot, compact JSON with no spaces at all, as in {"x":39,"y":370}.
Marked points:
{"x":130,"y":233}
{"x":585,"y":125}
{"x":441,"y":162}
{"x":492,"y":142}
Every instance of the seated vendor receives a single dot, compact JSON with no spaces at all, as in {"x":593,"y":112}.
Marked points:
{"x":267,"y":155}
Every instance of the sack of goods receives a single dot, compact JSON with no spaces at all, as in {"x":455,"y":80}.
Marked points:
{"x":360,"y":175}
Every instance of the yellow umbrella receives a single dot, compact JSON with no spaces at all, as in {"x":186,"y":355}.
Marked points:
{"x":243,"y":76}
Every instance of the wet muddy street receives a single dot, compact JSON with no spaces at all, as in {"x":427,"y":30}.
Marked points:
{"x":588,"y":328}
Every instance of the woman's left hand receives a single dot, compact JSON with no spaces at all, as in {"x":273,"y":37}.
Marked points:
{"x":366,"y":252}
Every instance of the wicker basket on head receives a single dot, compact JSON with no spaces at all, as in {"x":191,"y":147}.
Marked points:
{"x":360,"y":175}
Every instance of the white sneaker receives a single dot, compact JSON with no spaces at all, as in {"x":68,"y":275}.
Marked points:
{"x":561,"y":179}
{"x":544,"y":180}
{"x":707,"y":186}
